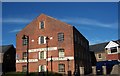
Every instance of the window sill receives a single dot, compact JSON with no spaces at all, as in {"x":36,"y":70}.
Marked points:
{"x":41,"y":59}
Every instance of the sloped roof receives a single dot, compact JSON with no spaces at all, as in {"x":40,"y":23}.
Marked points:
{"x":101,"y":46}
{"x":4,"y":48}
{"x":117,"y":41}
{"x":98,"y":47}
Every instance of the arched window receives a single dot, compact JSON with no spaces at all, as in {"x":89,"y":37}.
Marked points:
{"x":41,"y":25}
{"x":41,"y":40}
{"x":42,"y":55}
{"x":42,"y":68}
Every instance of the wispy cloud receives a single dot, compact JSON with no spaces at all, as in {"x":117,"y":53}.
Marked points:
{"x":16,"y":20}
{"x":96,"y":41}
{"x":15,"y":30}
{"x":90,"y":22}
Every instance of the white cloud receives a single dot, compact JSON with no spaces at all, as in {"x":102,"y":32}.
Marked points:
{"x":15,"y":30}
{"x":91,"y":22}
{"x":16,"y":20}
{"x":97,"y":41}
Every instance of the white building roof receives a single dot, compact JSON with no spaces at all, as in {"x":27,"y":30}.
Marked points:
{"x":112,"y":44}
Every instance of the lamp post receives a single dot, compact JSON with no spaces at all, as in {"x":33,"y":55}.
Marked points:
{"x":68,"y":64}
{"x":69,"y":72}
{"x":51,"y":63}
{"x":47,"y":52}
{"x":26,"y":42}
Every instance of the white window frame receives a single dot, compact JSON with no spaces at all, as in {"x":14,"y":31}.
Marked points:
{"x":61,"y":70}
{"x":109,"y":51}
{"x":44,"y":55}
{"x":40,"y":55}
{"x":40,"y":24}
{"x":113,"y":52}
{"x":39,"y":40}
{"x":41,"y":69}
{"x":61,"y":54}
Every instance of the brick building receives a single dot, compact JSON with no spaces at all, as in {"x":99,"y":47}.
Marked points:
{"x":107,"y":51}
{"x":68,"y":48}
{"x":99,"y":50}
{"x":107,"y":54}
{"x":113,"y":50}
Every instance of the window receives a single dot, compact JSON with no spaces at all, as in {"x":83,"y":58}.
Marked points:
{"x":61,"y":52}
{"x":60,"y":36}
{"x":42,"y":68}
{"x":99,"y":56}
{"x":113,"y":49}
{"x":24,"y":55}
{"x":25,"y":41}
{"x":41,"y":40}
{"x":42,"y":55}
{"x":24,"y":68}
{"x":61,"y":67}
{"x":17,"y":56}
{"x":41,"y":25}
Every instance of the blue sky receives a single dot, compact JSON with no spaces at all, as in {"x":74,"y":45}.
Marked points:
{"x":98,"y":22}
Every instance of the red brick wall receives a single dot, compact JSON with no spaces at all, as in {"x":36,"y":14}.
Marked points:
{"x":52,"y":28}
{"x":55,"y":65}
{"x":112,"y":56}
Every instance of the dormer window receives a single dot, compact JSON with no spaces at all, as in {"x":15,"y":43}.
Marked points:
{"x":113,"y":49}
{"x":41,"y":25}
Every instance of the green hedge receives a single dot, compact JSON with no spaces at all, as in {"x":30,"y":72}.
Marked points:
{"x":32,"y":74}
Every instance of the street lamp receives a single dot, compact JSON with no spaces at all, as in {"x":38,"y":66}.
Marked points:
{"x":68,"y":63}
{"x":69,"y":72}
{"x":51,"y":63}
{"x":47,"y":52}
{"x":26,"y":42}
